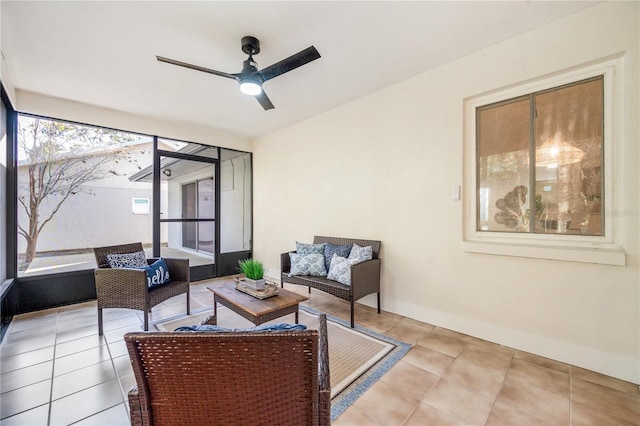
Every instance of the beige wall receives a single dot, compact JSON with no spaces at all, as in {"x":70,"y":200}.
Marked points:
{"x":382,"y":167}
{"x":64,"y":109}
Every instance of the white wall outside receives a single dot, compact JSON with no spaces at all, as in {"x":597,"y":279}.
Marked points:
{"x":85,"y":221}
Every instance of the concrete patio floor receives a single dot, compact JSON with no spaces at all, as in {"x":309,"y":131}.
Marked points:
{"x":51,"y":264}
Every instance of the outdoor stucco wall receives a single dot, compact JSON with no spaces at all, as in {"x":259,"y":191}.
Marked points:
{"x":382,"y":167}
{"x":100,"y":214}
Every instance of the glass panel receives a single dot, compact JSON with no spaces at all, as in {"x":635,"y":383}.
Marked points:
{"x":206,"y":209}
{"x":235,"y":201}
{"x":187,"y":148}
{"x":190,"y":194}
{"x":167,"y":249}
{"x":569,"y":132}
{"x":76,"y":192}
{"x":189,"y":239}
{"x":176,"y":174}
{"x":503,"y":167}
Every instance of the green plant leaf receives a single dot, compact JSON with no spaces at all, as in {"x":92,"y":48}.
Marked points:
{"x":252,"y":269}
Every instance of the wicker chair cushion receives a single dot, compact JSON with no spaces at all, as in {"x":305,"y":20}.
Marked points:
{"x":157,"y":273}
{"x":340,"y":269}
{"x":361,"y":254}
{"x":302,"y":248}
{"x":331,"y":249}
{"x":307,"y":264}
{"x":263,"y":327}
{"x":127,"y":260}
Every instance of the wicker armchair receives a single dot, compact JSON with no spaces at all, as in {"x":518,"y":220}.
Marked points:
{"x":230,"y":378}
{"x":365,"y":276}
{"x":127,"y":288}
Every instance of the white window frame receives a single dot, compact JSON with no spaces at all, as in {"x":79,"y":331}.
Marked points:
{"x":607,"y":249}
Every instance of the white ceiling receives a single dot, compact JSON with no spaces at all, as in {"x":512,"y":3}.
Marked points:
{"x":103,"y":53}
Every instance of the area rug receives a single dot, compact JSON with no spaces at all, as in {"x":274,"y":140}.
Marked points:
{"x":357,"y":357}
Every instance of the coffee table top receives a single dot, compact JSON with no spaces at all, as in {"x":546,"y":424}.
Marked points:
{"x":253,"y":305}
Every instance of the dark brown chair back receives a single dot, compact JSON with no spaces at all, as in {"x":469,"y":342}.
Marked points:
{"x":200,"y":378}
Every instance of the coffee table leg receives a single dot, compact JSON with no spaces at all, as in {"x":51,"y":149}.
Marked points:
{"x":297,"y":315}
{"x":215,"y":311}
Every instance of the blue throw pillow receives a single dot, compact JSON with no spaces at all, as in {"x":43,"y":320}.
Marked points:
{"x":157,"y":273}
{"x":263,"y":327}
{"x":331,"y":249}
{"x":302,"y":248}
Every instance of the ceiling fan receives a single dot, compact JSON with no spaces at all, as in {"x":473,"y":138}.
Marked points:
{"x":250,"y":78}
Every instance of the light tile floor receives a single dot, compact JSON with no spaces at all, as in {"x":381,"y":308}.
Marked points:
{"x":55,"y":370}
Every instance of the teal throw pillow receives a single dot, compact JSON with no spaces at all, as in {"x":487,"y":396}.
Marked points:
{"x":307,"y":264}
{"x":157,"y":273}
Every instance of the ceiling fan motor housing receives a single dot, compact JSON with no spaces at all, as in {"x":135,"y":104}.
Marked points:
{"x":250,"y":45}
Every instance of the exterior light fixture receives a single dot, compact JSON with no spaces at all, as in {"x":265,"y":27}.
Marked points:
{"x":166,"y":172}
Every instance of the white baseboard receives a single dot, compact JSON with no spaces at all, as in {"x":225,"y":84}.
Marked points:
{"x":607,"y":363}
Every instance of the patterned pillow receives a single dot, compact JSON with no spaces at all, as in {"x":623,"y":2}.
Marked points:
{"x":302,"y":248}
{"x":127,"y":260}
{"x":157,"y":273}
{"x":331,"y":249}
{"x":307,"y":264}
{"x":361,"y":254}
{"x":340,"y":269}
{"x":263,"y":327}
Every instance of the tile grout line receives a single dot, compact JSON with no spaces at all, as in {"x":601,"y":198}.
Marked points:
{"x":53,"y":366}
{"x":495,"y":400}
{"x":570,"y":395}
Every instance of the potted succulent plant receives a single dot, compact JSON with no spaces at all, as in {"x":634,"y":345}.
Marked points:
{"x":253,"y":270}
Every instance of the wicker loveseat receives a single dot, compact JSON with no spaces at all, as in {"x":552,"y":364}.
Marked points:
{"x":127,"y":288}
{"x":365,"y":276}
{"x":230,"y":378}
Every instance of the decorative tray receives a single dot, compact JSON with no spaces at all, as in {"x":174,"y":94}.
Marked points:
{"x":271,"y":289}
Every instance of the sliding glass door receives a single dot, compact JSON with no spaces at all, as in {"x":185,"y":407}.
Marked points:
{"x":188,"y":205}
{"x":198,"y":202}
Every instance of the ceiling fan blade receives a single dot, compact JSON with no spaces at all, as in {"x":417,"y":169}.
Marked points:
{"x":196,"y":67}
{"x":292,"y":62}
{"x":264,"y":101}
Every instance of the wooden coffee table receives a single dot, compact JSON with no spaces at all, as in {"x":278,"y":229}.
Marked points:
{"x":258,"y":311}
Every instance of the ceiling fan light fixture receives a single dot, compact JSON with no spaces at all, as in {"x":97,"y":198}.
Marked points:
{"x":250,"y":87}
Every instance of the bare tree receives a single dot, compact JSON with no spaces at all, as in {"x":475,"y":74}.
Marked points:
{"x":61,"y":158}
